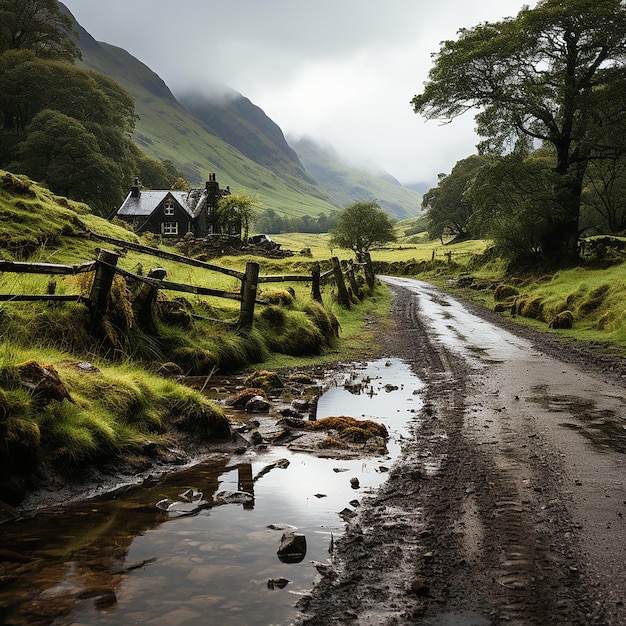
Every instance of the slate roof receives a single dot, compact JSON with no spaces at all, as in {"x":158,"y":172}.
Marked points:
{"x":146,"y":202}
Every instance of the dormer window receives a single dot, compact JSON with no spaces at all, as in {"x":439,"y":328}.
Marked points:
{"x":168,"y":207}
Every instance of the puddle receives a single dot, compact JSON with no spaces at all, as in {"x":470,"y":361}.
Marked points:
{"x":461,"y":331}
{"x":203,"y":542}
{"x":603,"y":427}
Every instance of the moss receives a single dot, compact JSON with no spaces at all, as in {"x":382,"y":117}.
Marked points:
{"x":264,"y":379}
{"x":565,"y":319}
{"x":504,"y":292}
{"x":350,"y":429}
{"x":280,"y":297}
{"x":593,"y":301}
{"x":241,"y":398}
{"x":530,"y":306}
{"x":189,"y":411}
{"x":194,"y":361}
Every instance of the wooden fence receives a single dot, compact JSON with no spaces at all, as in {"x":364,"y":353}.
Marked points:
{"x":105,"y":268}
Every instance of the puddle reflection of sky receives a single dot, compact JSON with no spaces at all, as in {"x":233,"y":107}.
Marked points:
{"x":168,"y":553}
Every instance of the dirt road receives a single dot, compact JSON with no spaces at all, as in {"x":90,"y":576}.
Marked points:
{"x":508,"y":504}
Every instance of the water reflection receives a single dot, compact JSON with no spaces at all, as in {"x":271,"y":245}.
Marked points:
{"x":200,"y":546}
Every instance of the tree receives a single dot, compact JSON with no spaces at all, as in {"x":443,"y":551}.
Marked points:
{"x":542,"y":76}
{"x":360,"y":226}
{"x":449,"y":208}
{"x":514,"y":203}
{"x":90,"y":106}
{"x":236,"y":207}
{"x":37,"y":25}
{"x":60,"y":152}
{"x":604,"y":195}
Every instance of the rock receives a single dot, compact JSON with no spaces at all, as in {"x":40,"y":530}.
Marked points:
{"x":43,"y":382}
{"x":234,"y":497}
{"x":292,"y":422}
{"x":292,"y":547}
{"x":84,"y":366}
{"x":324,"y":569}
{"x":354,"y":483}
{"x":420,"y":587}
{"x":257,"y":404}
{"x":300,"y":405}
{"x":281,"y":527}
{"x":389,"y":387}
{"x":277,"y":583}
{"x":346,"y":514}
{"x":256,"y":438}
{"x":150,"y":448}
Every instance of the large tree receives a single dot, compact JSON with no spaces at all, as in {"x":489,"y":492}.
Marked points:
{"x":37,"y":25}
{"x":360,"y":226}
{"x":544,"y":76}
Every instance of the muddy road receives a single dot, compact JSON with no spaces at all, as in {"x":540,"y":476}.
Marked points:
{"x":508,"y":504}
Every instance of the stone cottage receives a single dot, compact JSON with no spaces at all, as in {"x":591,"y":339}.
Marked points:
{"x":173,"y":213}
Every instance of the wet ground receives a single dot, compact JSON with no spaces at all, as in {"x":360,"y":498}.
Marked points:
{"x":522,"y":519}
{"x":203,"y":541}
{"x":500,"y":500}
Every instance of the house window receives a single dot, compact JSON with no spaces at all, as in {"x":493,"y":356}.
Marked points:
{"x":168,"y":207}
{"x":169,"y":228}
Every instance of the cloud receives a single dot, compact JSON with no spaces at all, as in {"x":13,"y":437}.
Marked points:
{"x":339,"y":71}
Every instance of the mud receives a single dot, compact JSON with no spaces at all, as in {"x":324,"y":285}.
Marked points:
{"x":498,"y":512}
{"x":506,"y":505}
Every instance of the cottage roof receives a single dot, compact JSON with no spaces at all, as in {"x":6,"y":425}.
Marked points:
{"x":145,"y":203}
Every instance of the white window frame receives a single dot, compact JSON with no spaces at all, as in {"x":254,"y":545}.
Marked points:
{"x":169,"y":228}
{"x":168,"y":207}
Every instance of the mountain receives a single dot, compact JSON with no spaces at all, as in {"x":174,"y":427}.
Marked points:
{"x":348,"y":184}
{"x":242,"y":124}
{"x":216,"y":129}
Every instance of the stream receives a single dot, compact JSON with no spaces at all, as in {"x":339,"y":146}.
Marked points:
{"x":199,"y":546}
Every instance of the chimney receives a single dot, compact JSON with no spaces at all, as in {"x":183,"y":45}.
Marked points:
{"x":135,"y":190}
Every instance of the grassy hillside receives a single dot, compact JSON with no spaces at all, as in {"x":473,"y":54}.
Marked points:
{"x":165,"y":130}
{"x":234,"y":138}
{"x":349,"y":184}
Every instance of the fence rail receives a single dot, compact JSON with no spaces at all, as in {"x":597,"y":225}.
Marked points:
{"x":105,"y":268}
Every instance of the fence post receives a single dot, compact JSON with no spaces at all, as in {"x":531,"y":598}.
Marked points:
{"x":352,"y":279}
{"x":316,"y":292}
{"x":249,"y":286}
{"x":343,"y":297}
{"x":142,"y":304}
{"x":105,"y":272}
{"x":370,"y":278}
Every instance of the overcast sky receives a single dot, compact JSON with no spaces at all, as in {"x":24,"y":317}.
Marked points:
{"x":339,"y":71}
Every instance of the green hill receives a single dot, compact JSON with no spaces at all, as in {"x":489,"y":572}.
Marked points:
{"x":165,"y":130}
{"x":349,"y":184}
{"x":234,"y":138}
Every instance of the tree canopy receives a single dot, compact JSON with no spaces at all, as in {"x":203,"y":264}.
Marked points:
{"x":362,"y":225}
{"x":548,"y":75}
{"x":236,"y":207}
{"x":449,"y":207}
{"x":37,"y":25}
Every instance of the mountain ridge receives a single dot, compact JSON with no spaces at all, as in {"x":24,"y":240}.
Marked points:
{"x":233,"y":137}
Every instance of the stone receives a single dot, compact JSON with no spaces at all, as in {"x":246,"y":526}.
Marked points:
{"x":420,"y":587}
{"x":277,"y":583}
{"x":300,"y":405}
{"x":292,"y":547}
{"x":354,"y":483}
{"x":257,"y":404}
{"x":234,"y":497}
